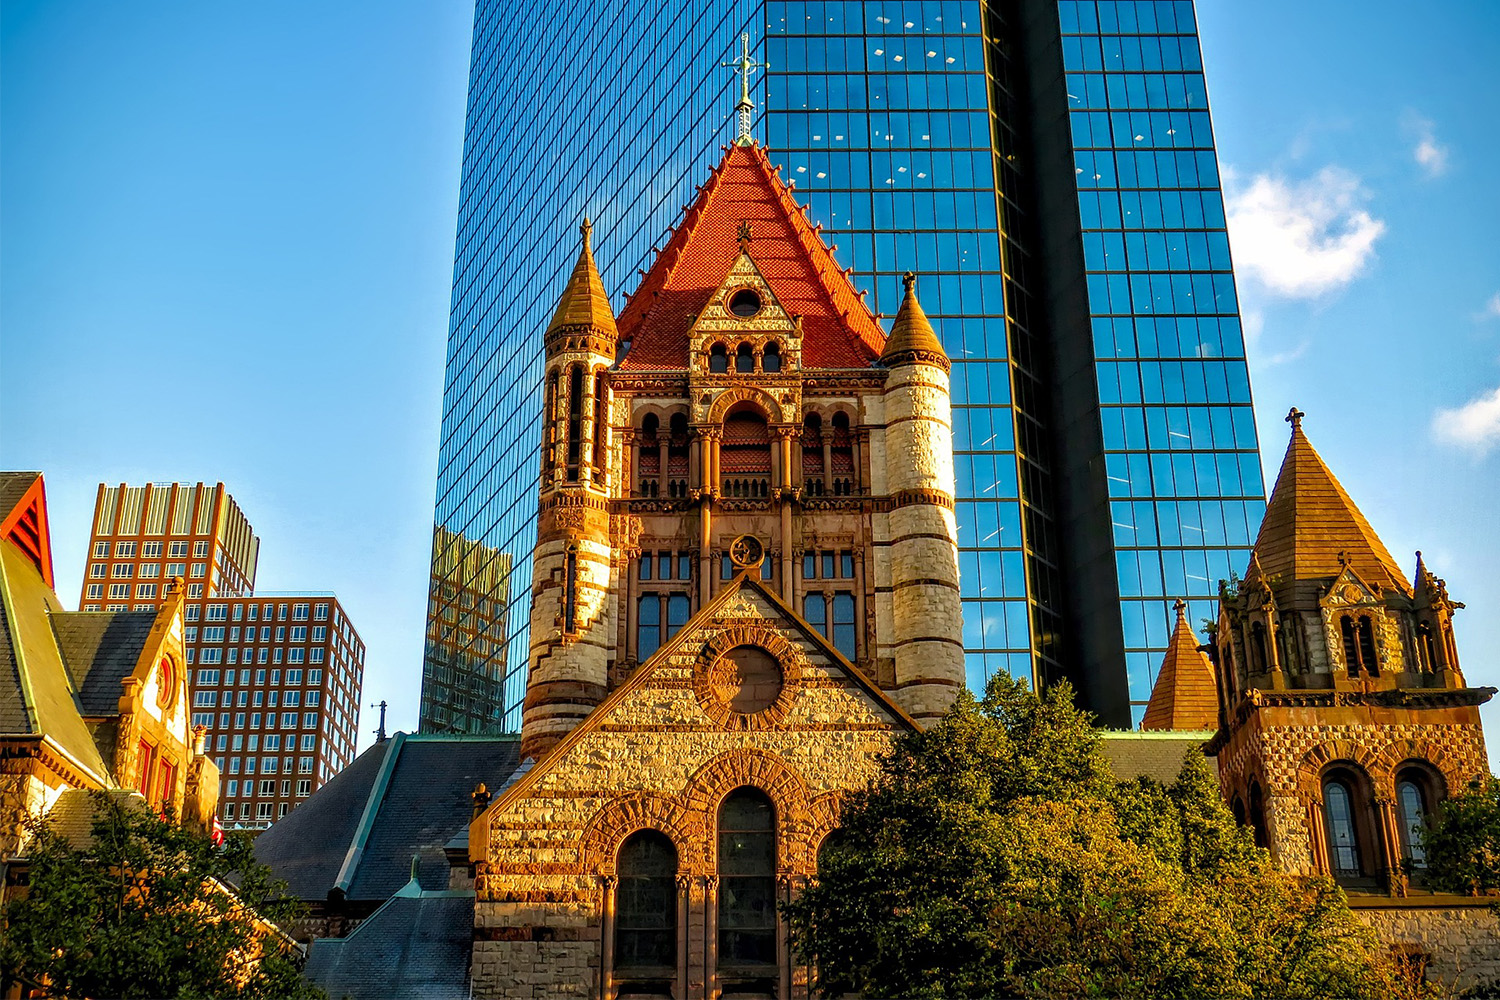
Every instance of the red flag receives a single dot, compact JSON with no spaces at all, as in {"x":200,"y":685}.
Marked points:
{"x":218,"y":834}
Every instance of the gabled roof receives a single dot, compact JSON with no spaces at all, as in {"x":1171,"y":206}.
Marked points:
{"x":1185,"y":695}
{"x":838,"y":330}
{"x":37,"y":697}
{"x":583,"y":302}
{"x":23,"y":518}
{"x":745,"y":579}
{"x":415,"y":946}
{"x":100,"y":650}
{"x":406,"y":795}
{"x":1311,"y":524}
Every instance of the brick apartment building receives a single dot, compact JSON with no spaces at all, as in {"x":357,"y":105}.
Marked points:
{"x":276,"y":678}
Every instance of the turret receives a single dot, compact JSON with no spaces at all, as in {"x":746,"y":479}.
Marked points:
{"x":926,"y":641}
{"x":573,"y":608}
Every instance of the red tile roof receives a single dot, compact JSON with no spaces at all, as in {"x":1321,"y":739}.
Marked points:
{"x":838,"y":330}
{"x":1185,"y":695}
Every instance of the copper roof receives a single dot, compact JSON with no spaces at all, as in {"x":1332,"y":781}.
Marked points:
{"x":1186,"y":695}
{"x":583,"y":301}
{"x":838,"y":331}
{"x":1312,"y":528}
{"x":911,"y":333}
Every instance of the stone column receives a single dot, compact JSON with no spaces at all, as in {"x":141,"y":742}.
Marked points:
{"x":607,"y":884}
{"x":710,"y":937}
{"x":684,"y":909}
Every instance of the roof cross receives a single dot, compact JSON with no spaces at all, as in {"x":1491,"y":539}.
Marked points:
{"x":1294,"y":417}
{"x":746,"y":107}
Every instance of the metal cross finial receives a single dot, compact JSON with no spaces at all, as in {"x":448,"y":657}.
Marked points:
{"x":587,"y":229}
{"x":1294,"y":417}
{"x":746,"y":107}
{"x":380,"y":733}
{"x":744,"y":234}
{"x":909,"y":282}
{"x":1180,"y":606}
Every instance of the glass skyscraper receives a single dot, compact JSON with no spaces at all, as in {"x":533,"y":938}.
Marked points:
{"x":1047,"y":166}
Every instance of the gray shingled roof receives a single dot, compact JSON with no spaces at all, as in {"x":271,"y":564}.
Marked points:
{"x":101,"y":648}
{"x":415,"y":946}
{"x":1151,"y":753}
{"x":13,"y":486}
{"x":409,"y":795}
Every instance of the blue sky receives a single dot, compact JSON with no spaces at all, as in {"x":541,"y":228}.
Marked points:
{"x":227,"y":238}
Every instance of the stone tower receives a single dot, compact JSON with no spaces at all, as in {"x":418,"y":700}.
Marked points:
{"x":1343,"y":715}
{"x":572,"y":591}
{"x":928,"y":664}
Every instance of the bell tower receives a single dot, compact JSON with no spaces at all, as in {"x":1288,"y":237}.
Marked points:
{"x":573,"y":609}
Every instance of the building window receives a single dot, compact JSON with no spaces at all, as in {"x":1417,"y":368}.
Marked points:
{"x":658,"y":617}
{"x":747,"y":892}
{"x":718,"y":359}
{"x":744,"y":359}
{"x":570,"y":592}
{"x":299,"y":612}
{"x":177,"y":550}
{"x":101,"y":550}
{"x":1350,"y":826}
{"x":1343,"y":840}
{"x":122,"y":571}
{"x":98,"y":571}
{"x":842,"y":476}
{"x":832,"y":614}
{"x":1359,"y":645}
{"x":646,"y":915}
{"x":151,"y":570}
{"x":96,"y":591}
{"x":575,"y":421}
{"x":648,"y":457}
{"x":601,"y":427}
{"x":1417,"y":794}
{"x":125,"y":550}
{"x":770,"y":361}
{"x":745,"y":456}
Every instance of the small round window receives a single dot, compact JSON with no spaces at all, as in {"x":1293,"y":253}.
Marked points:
{"x":744,"y":303}
{"x":747,"y":679}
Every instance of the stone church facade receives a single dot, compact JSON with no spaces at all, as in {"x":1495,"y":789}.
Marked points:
{"x":745,"y":586}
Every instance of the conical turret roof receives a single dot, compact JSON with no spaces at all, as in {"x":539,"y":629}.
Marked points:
{"x":911,"y":333}
{"x":584,"y":302}
{"x":745,"y":195}
{"x":1312,"y":528}
{"x":1186,"y":695}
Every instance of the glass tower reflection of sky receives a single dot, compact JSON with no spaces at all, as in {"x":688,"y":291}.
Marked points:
{"x":883,"y":115}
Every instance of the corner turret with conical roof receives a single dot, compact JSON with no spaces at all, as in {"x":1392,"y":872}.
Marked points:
{"x":1185,"y":695}
{"x":1344,"y":716}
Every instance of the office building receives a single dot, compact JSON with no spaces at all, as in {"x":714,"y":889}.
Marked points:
{"x":1047,"y":166}
{"x":275,"y":678}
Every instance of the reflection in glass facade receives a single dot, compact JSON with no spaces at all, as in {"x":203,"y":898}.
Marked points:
{"x":1046,"y":166}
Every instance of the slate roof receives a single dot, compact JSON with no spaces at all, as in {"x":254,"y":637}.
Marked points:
{"x":1156,"y":755}
{"x":37,"y":696}
{"x":838,"y":331}
{"x":415,"y":946}
{"x":1310,"y":520}
{"x":1185,"y":695}
{"x":101,"y":649}
{"x":408,"y":795}
{"x":584,"y":301}
{"x":13,"y":486}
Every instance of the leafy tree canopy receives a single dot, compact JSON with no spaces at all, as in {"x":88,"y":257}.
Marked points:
{"x":144,"y":909}
{"x":1463,"y":840}
{"x":996,"y":856}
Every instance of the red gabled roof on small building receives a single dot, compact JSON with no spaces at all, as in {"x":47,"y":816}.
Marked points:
{"x":838,"y":330}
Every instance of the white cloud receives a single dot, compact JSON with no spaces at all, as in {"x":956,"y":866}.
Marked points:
{"x":1431,"y":155}
{"x":1301,"y":239}
{"x":1475,"y":425}
{"x":1491,"y":308}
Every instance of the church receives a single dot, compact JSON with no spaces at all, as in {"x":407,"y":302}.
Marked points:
{"x":745,"y":586}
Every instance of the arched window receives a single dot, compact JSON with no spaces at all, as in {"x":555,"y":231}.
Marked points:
{"x":549,"y":424}
{"x":1257,"y":815}
{"x":844,"y":478}
{"x":1258,"y":661}
{"x":677,"y":457}
{"x":744,"y":359}
{"x":1343,"y":834}
{"x":575,"y":421}
{"x":1237,"y":807}
{"x":601,"y":428}
{"x":1359,"y":645}
{"x":812,"y":455}
{"x":745,"y":455}
{"x":1418,"y":792}
{"x":646,"y":915}
{"x":770,"y":359}
{"x":747,"y":892}
{"x":648,"y":457}
{"x":718,"y":358}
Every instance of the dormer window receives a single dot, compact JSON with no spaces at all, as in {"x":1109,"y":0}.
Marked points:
{"x":718,"y":359}
{"x":770,"y":359}
{"x":744,"y":359}
{"x":744,"y":303}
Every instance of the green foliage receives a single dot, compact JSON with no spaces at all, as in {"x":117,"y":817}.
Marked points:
{"x":144,"y":910}
{"x":996,"y":856}
{"x":1463,"y":840}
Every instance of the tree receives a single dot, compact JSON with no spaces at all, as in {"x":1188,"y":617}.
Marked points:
{"x":144,"y":908}
{"x":996,"y":856}
{"x":1462,"y":840}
